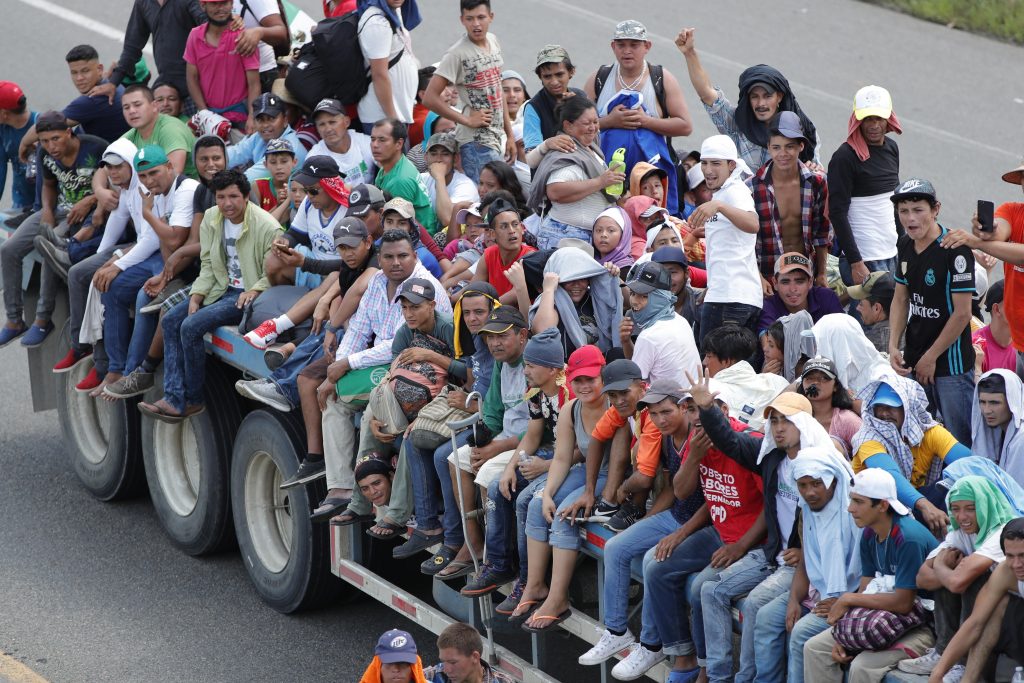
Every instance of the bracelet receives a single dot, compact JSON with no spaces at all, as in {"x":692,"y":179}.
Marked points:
{"x":328,"y":327}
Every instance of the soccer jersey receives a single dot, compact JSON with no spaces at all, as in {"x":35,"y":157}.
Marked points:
{"x":932,"y":278}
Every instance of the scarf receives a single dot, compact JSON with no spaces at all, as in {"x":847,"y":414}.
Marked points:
{"x":660,"y":306}
{"x":410,"y":13}
{"x":619,"y":256}
{"x":593,"y":166}
{"x":831,"y":539}
{"x":635,"y":206}
{"x":544,"y":104}
{"x":792,"y":326}
{"x":1005,"y":450}
{"x":372,"y":673}
{"x":812,"y":435}
{"x":335,"y":189}
{"x":463,"y":342}
{"x":841,"y":338}
{"x":855,"y":139}
{"x":655,"y":230}
{"x":897,"y":442}
{"x":755,"y":130}
{"x":983,"y":467}
{"x":990,"y":505}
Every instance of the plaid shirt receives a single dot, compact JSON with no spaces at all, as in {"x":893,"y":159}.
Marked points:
{"x":436,"y":674}
{"x":817,"y":230}
{"x":378,"y":319}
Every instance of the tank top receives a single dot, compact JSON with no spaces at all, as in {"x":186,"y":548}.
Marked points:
{"x":611,"y":88}
{"x":583,"y":435}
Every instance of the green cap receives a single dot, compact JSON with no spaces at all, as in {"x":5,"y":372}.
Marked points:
{"x":149,"y":157}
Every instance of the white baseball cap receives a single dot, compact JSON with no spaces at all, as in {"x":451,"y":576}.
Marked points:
{"x":872,"y":100}
{"x":695,"y":176}
{"x":874,"y":482}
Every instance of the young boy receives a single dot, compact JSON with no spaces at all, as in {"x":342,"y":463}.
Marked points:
{"x":271,"y":194}
{"x":270,"y":124}
{"x":555,"y":70}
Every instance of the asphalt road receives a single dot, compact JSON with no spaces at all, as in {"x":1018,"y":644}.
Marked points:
{"x":92,"y":591}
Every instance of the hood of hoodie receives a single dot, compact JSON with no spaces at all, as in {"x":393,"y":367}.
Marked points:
{"x":641,"y":169}
{"x":125,"y":149}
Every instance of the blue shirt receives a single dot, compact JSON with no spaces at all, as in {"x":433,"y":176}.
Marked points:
{"x":482,"y":363}
{"x":21,"y":189}
{"x":97,"y":116}
{"x":899,"y":555}
{"x":253,"y":148}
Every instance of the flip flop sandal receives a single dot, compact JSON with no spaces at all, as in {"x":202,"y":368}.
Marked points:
{"x":328,"y":508}
{"x":157,"y":412}
{"x":459,"y":568}
{"x":346,"y":518}
{"x":417,"y":542}
{"x":518,"y":619}
{"x":395,"y":530}
{"x":441,"y":559}
{"x":549,"y":622}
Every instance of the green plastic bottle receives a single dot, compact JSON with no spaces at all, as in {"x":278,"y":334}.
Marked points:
{"x":618,"y":163}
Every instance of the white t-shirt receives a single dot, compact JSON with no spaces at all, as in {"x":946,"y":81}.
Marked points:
{"x":583,"y":212}
{"x":378,"y":41}
{"x":174,"y":208}
{"x":231,"y":234}
{"x":667,"y":350}
{"x":258,"y":10}
{"x":356,"y":164}
{"x":733,"y":276}
{"x":965,"y":544}
{"x":321,"y":233}
{"x":785,"y":504}
{"x":460,"y":189}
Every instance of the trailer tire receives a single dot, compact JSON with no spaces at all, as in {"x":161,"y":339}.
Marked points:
{"x":188,"y":466}
{"x":286,"y":555}
{"x":102,"y":439}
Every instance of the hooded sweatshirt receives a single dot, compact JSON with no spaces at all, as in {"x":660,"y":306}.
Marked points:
{"x":641,"y":169}
{"x":1005,"y":447}
{"x":129,"y":206}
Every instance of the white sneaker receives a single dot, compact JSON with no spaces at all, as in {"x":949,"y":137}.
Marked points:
{"x":640,"y":661}
{"x":606,"y":648}
{"x":955,"y":674}
{"x":922,"y":665}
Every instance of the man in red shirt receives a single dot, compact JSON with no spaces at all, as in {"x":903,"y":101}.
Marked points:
{"x":504,"y":224}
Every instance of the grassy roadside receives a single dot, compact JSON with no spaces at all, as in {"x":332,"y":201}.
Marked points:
{"x":1003,"y":19}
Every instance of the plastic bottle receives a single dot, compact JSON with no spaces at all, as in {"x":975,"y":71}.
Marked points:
{"x":523,"y":458}
{"x":1018,"y":675}
{"x":617,"y":164}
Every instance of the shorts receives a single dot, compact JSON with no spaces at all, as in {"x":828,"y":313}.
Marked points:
{"x":489,"y":472}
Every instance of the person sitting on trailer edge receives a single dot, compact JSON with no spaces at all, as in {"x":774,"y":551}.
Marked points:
{"x":460,"y":649}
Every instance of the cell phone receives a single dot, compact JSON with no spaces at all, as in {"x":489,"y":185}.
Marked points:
{"x":986,"y":218}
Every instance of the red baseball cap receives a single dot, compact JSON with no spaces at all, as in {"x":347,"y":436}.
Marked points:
{"x":10,"y":95}
{"x":585,"y":361}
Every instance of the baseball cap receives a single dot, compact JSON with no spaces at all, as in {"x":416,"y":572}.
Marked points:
{"x":396,"y":646}
{"x":653,"y":210}
{"x":586,"y":361}
{"x":329,"y":105}
{"x":787,"y":124}
{"x":662,"y":389}
{"x":670,"y":255}
{"x":279,"y":146}
{"x":316,"y":167}
{"x":793,"y":260}
{"x":885,"y":395}
{"x":551,"y":54}
{"x":631,"y":29}
{"x":349,"y":232}
{"x":120,"y":151}
{"x":502,"y":319}
{"x":914,"y":188}
{"x":768,"y":87}
{"x":464,"y":214}
{"x":402,"y":206}
{"x":10,"y":95}
{"x":499,"y":206}
{"x":695,"y":176}
{"x":879,"y":285}
{"x":51,"y":120}
{"x":822,"y":365}
{"x":872,"y":100}
{"x":789,"y":403}
{"x":363,"y":198}
{"x":416,"y":290}
{"x":269,"y":104}
{"x":149,"y":157}
{"x":620,"y":375}
{"x":649,"y":276}
{"x":445,"y":140}
{"x":874,"y":482}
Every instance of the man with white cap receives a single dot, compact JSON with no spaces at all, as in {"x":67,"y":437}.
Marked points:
{"x":892,"y":549}
{"x":862,"y":174}
{"x":730,"y":225}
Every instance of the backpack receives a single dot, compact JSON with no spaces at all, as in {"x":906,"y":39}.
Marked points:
{"x":307,"y":80}
{"x":279,"y":50}
{"x":657,"y":72}
{"x":336,"y":42}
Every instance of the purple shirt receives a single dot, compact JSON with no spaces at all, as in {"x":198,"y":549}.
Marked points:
{"x":820,"y":301}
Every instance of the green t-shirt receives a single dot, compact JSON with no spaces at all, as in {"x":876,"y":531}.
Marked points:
{"x":171,"y":134}
{"x":404,"y":181}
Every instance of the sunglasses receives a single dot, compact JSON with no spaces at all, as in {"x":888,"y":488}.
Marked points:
{"x":312,"y":191}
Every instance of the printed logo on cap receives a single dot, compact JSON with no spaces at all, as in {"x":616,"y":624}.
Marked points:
{"x":398,"y":641}
{"x":910,"y":186}
{"x":354,"y":197}
{"x":314,"y":169}
{"x":418,"y":289}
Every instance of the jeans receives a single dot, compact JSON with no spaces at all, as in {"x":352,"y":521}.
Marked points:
{"x":118,"y":301}
{"x":619,"y":553}
{"x":501,"y":519}
{"x":565,"y":535}
{"x":185,"y":350}
{"x":664,"y":619}
{"x":552,"y":232}
{"x":452,"y":519}
{"x":12,"y":252}
{"x":79,"y":277}
{"x":535,"y":489}
{"x":953,"y":397}
{"x":770,"y":638}
{"x":537,"y":527}
{"x":715,"y":315}
{"x":806,"y":628}
{"x":474,"y":157}
{"x":952,"y":609}
{"x":286,"y":377}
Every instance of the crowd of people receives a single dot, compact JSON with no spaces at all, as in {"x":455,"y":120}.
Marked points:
{"x":775,"y":374}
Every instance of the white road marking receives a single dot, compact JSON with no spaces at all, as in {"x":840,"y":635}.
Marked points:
{"x":81,"y":20}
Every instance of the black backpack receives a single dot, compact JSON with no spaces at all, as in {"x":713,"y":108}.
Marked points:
{"x":307,"y":79}
{"x":336,"y":43}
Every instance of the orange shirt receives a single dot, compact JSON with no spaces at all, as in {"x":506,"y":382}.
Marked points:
{"x":1013,"y":295}
{"x":648,"y":454}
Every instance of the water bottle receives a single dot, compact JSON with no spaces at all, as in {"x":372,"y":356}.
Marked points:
{"x":617,"y":164}
{"x":1018,"y":675}
{"x":523,"y":458}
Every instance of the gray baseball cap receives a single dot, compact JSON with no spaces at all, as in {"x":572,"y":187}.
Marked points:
{"x":350,"y":232}
{"x":446,"y":140}
{"x":662,"y":389}
{"x":914,"y":188}
{"x":631,"y":29}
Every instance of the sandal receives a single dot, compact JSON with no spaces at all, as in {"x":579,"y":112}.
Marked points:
{"x":417,"y":542}
{"x":441,"y":559}
{"x":395,"y":530}
{"x":550,"y":622}
{"x":348,"y":517}
{"x":458,"y":567}
{"x":328,"y":508}
{"x":161,"y":410}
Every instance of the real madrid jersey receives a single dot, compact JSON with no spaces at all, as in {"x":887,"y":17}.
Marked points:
{"x":932,"y":277}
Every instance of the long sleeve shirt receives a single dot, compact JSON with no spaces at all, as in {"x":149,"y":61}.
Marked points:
{"x":169,"y":25}
{"x":850,"y":177}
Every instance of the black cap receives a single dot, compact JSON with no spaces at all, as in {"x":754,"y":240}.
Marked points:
{"x":349,"y":232}
{"x":502,"y":318}
{"x":649,"y":276}
{"x":362,"y":198}
{"x":331,"y":106}
{"x":316,"y":167}
{"x":499,"y":206}
{"x":51,"y":120}
{"x":822,"y":365}
{"x":913,"y":189}
{"x":416,"y":290}
{"x":661,"y":389}
{"x":619,"y":375}
{"x":670,"y":255}
{"x":269,"y":104}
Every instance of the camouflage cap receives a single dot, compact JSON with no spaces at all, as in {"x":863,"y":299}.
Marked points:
{"x":631,"y":29}
{"x":552,"y":54}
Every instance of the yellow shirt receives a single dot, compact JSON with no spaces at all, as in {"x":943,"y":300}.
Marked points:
{"x":936,"y":443}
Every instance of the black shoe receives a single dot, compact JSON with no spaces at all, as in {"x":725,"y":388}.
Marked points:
{"x":626,"y":517}
{"x":55,"y":255}
{"x":603,"y":512}
{"x":309,"y":470}
{"x":14,"y":222}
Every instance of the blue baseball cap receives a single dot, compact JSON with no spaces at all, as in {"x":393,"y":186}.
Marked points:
{"x":670,"y":255}
{"x":396,"y":646}
{"x":885,"y":395}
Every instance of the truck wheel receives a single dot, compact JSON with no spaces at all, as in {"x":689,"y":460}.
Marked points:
{"x":286,"y":555}
{"x":102,"y":439}
{"x":187,"y":467}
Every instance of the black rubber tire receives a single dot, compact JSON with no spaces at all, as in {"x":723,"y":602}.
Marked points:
{"x":196,"y":517}
{"x":102,"y":438}
{"x":286,"y":555}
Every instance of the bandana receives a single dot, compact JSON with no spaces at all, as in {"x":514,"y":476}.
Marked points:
{"x":992,"y":508}
{"x":335,"y":189}
{"x":856,"y":140}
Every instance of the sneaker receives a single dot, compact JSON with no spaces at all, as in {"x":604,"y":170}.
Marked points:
{"x":309,"y":470}
{"x":15,"y":221}
{"x":263,"y":336}
{"x":922,"y":665}
{"x":264,"y":391}
{"x":134,"y":383}
{"x":9,"y":334}
{"x":509,"y":604}
{"x":626,"y":517}
{"x":955,"y":674}
{"x":606,"y":648}
{"x":55,"y":255}
{"x":36,"y":335}
{"x":487,"y":581}
{"x":603,"y":512}
{"x":91,"y":381}
{"x":72,"y":360}
{"x":169,"y":289}
{"x":639,"y":661}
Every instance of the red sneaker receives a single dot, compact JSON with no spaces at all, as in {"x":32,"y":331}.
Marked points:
{"x":71,"y":361}
{"x":263,"y":336}
{"x":91,"y":381}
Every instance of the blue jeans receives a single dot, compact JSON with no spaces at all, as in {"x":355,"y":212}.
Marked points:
{"x":619,"y":553}
{"x":809,"y":626}
{"x":535,"y":489}
{"x":953,"y":397}
{"x":426,"y":496}
{"x":185,"y":350}
{"x":771,"y":646}
{"x":663,"y":618}
{"x":715,"y":315}
{"x":474,"y":157}
{"x":564,"y":534}
{"x":753,"y":642}
{"x":118,"y":302}
{"x":716,"y":598}
{"x":552,"y":232}
{"x":286,"y":377}
{"x":501,"y":519}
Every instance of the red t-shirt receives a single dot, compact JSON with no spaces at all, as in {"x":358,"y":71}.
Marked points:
{"x":1013,"y":294}
{"x":496,"y":269}
{"x":268,"y":198}
{"x":734,"y":494}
